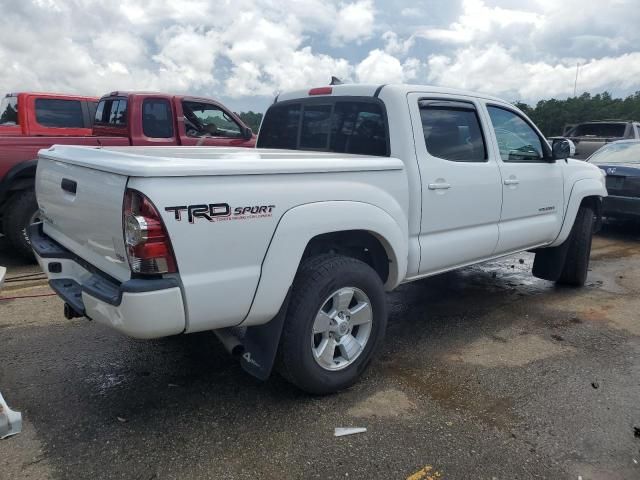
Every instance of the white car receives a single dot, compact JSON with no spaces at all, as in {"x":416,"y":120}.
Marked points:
{"x":352,"y":191}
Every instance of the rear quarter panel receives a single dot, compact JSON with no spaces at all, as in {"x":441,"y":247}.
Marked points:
{"x":220,"y":262}
{"x":15,"y":150}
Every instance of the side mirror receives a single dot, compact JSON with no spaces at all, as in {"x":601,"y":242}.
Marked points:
{"x":562,"y":148}
{"x":247,"y":133}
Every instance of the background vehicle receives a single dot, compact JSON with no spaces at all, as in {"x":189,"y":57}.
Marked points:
{"x":400,"y":182}
{"x":41,"y":114}
{"x":621,"y":162}
{"x":590,"y":136}
{"x":121,"y":118}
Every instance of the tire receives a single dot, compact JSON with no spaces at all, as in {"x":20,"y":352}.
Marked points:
{"x":576,"y":264}
{"x":19,"y":213}
{"x":319,"y":281}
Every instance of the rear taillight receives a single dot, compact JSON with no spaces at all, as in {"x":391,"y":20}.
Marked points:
{"x":146,"y":239}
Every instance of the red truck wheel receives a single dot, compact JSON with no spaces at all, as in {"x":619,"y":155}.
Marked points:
{"x":20,"y":212}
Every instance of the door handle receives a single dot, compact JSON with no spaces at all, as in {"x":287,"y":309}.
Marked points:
{"x":439,"y":186}
{"x":69,"y":186}
{"x":511,"y":181}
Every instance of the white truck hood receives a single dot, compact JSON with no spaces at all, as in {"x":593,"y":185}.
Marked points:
{"x":203,"y":161}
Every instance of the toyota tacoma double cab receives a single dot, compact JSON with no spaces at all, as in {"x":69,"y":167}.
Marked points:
{"x":286,"y":251}
{"x":30,"y":122}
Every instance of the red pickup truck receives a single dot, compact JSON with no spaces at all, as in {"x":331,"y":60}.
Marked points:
{"x":119,"y":118}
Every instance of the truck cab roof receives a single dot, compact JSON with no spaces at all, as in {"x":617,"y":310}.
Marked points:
{"x":374,"y":90}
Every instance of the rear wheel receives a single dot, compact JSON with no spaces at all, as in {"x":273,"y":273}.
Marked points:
{"x":335,"y":323}
{"x":20,"y":212}
{"x":576,"y":263}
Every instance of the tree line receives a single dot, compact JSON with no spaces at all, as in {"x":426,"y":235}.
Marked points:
{"x":251,"y":119}
{"x":551,"y":116}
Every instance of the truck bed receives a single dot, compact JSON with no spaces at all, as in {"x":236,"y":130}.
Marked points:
{"x":203,"y":161}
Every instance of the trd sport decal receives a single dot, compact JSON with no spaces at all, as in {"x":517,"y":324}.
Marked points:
{"x":218,"y":212}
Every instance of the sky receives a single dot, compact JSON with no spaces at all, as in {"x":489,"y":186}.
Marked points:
{"x":244,"y":51}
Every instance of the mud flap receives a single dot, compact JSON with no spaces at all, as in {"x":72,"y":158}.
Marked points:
{"x":261,"y":345}
{"x":549,"y":262}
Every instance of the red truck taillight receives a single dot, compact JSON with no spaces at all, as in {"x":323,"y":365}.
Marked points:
{"x":145,"y":237}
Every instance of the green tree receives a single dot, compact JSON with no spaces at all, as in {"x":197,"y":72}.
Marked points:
{"x":251,"y":119}
{"x":553,"y":115}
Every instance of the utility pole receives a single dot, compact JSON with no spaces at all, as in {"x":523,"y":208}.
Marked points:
{"x":575,"y":83}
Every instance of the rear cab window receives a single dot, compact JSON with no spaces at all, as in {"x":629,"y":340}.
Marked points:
{"x":9,"y":110}
{"x":355,"y":125}
{"x":112,"y":112}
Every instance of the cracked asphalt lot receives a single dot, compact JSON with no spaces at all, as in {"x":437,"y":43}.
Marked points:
{"x":486,"y":373}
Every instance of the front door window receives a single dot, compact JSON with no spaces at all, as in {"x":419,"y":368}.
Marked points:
{"x":208,"y":120}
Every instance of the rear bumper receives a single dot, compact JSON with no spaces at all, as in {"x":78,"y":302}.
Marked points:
{"x":140,"y":308}
{"x":622,"y":207}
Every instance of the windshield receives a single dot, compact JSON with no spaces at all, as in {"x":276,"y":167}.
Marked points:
{"x":599,"y":130}
{"x":9,"y":111}
{"x":624,"y":152}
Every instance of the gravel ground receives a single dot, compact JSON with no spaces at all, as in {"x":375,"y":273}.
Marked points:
{"x":485,"y":373}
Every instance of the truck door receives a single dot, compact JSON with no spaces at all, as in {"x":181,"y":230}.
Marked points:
{"x":206,"y":123}
{"x":461,"y":187}
{"x":532,"y":185}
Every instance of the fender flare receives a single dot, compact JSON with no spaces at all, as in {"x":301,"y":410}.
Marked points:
{"x":587,"y":187}
{"x":23,"y":172}
{"x":299,"y":225}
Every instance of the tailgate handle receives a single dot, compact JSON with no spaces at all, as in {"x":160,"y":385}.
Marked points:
{"x":68,"y":185}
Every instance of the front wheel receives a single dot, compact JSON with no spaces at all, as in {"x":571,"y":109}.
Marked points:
{"x":335,"y":323}
{"x":576,"y":263}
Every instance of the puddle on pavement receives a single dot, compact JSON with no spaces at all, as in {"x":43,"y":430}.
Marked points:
{"x":506,"y":350}
{"x":614,"y":311}
{"x":385,"y":404}
{"x":453,"y":393}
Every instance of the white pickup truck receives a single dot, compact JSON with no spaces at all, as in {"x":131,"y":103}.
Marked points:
{"x":286,"y":251}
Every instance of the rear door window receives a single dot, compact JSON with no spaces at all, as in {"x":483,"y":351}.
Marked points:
{"x":340,"y":124}
{"x":452,"y":131}
{"x":157,"y":120}
{"x":57,"y":113}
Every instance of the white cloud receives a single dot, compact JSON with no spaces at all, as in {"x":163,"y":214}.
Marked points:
{"x":248,"y":48}
{"x":478,"y":21}
{"x":395,"y":46}
{"x":380,"y":67}
{"x":495,"y":70}
{"x":354,"y":22}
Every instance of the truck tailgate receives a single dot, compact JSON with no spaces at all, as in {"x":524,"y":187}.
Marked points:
{"x":82,"y":210}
